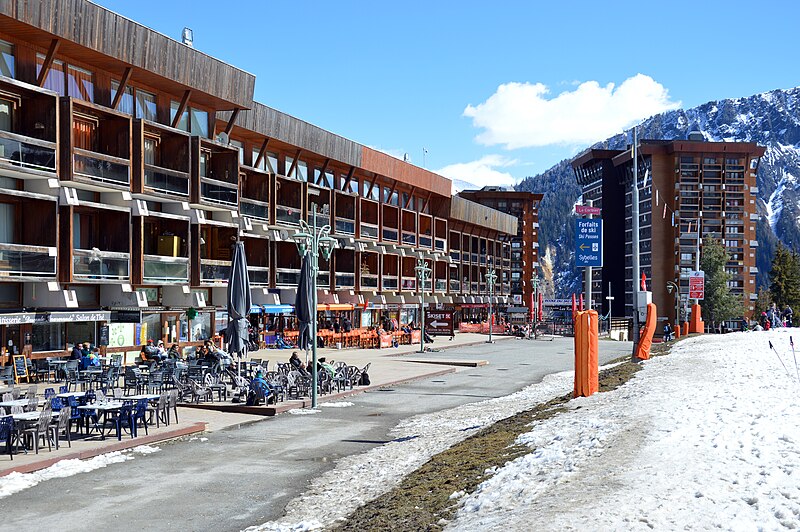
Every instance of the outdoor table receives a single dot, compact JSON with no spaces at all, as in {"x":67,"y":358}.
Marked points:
{"x":104,"y":409}
{"x":70,"y":394}
{"x":27,"y":416}
{"x":18,"y":402}
{"x":148,"y":396}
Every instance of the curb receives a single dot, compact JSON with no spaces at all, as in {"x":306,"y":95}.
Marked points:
{"x":97,"y":451}
{"x":451,"y":346}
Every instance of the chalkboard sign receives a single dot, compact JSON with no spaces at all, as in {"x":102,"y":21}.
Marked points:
{"x":104,"y":335}
{"x":20,"y":368}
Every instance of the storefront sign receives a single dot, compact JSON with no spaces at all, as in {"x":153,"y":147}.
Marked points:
{"x":17,"y":319}
{"x":126,"y":316}
{"x":62,"y":317}
{"x":104,"y":335}
{"x":439,"y":322}
{"x":121,"y":334}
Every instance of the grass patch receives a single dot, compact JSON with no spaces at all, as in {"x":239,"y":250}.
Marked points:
{"x":422,"y":500}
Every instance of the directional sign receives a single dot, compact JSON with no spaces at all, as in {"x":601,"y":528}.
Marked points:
{"x":697,"y":284}
{"x":439,"y":322}
{"x":585,"y":209}
{"x":589,"y":242}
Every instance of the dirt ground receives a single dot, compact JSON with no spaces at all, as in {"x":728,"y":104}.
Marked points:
{"x":422,"y":500}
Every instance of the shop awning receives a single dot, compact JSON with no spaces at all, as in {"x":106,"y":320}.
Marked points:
{"x":256,"y":309}
{"x":278,"y":309}
{"x":17,"y":318}
{"x":517,"y":310}
{"x":335,"y":306}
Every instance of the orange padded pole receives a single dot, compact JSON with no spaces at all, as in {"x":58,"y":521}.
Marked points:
{"x":646,"y":339}
{"x":586,"y":353}
{"x":696,"y":325}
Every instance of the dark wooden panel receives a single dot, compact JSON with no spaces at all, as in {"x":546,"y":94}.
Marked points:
{"x":474,"y":213}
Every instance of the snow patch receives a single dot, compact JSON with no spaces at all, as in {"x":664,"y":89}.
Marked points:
{"x":339,"y":404}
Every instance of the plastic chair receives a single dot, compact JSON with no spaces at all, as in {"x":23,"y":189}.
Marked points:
{"x":40,"y":431}
{"x":7,"y":433}
{"x":62,"y":426}
{"x":139,"y":413}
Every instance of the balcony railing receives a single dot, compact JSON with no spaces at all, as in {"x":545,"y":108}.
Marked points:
{"x":425,"y":241}
{"x":166,"y":180}
{"x":409,"y":239}
{"x":390,"y":234}
{"x":219,"y":192}
{"x":369,"y":231}
{"x":345,"y":226}
{"x":441,"y":285}
{"x":322,"y":219}
{"x":455,"y":255}
{"x":473,"y":288}
{"x":26,"y":152}
{"x":455,"y":286}
{"x":103,"y":265}
{"x":369,"y":280}
{"x":159,"y":269}
{"x":100,"y":167}
{"x":288,"y":276}
{"x":324,"y":279}
{"x":215,"y":271}
{"x":19,"y":260}
{"x":254,"y":209}
{"x":287,"y":215}
{"x":259,"y":275}
{"x":409,"y":283}
{"x":389,"y":282}
{"x":345,"y":280}
{"x":474,"y":258}
{"x":440,"y":244}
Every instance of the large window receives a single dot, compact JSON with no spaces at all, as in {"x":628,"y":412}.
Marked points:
{"x":183,"y":123}
{"x":192,"y":120}
{"x":125,"y":104}
{"x":7,"y":222}
{"x":6,"y":59}
{"x":67,"y":80}
{"x":146,"y":106}
{"x":48,"y":337}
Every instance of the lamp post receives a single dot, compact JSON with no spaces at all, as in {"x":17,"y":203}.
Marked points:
{"x":675,"y":287}
{"x":314,"y":241}
{"x":423,"y":272}
{"x":490,"y":279}
{"x":535,"y":284}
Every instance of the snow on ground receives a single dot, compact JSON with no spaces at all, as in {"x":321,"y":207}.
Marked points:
{"x":16,"y":482}
{"x":707,"y":437}
{"x":417,"y":439}
{"x":338,"y":404}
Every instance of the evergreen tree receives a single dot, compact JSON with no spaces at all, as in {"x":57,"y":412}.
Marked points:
{"x":762,"y":303}
{"x":785,"y":277}
{"x":719,"y":304}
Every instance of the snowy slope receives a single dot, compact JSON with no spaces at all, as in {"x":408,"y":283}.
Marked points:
{"x":707,"y":437}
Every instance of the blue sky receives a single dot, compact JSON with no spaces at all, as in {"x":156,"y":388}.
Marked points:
{"x":495,"y":91}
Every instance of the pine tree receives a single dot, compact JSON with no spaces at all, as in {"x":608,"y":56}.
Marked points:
{"x":785,"y":277}
{"x":719,"y":304}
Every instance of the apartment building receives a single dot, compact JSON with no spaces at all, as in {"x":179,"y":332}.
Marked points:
{"x":688,"y":189}
{"x":130,"y":163}
{"x":524,"y":246}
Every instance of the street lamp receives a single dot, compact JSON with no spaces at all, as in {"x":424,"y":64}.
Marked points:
{"x":535,"y":283}
{"x":490,"y":278}
{"x":314,"y":241}
{"x":672,"y":286}
{"x":423,"y":272}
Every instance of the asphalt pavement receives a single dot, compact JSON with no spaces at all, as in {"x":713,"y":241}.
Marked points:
{"x":245,"y":476}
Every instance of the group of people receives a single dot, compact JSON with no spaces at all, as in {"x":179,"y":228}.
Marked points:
{"x":87,"y":355}
{"x":773,"y":317}
{"x":156,"y":352}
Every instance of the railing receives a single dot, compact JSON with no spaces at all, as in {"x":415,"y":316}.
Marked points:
{"x":219,"y":192}
{"x":440,"y":244}
{"x":215,"y":271}
{"x":345,"y":226}
{"x":322,"y":219}
{"x":161,"y":269}
{"x":259,"y":275}
{"x":425,"y":241}
{"x":345,"y":280}
{"x":389,"y":282}
{"x":390,"y":234}
{"x":474,"y":258}
{"x":441,"y":285}
{"x":254,"y":209}
{"x":455,"y":286}
{"x":455,"y":255}
{"x":369,"y":280}
{"x":101,"y":167}
{"x":26,"y":152}
{"x":287,"y":276}
{"x":369,"y":231}
{"x":19,"y":260}
{"x":473,"y":288}
{"x":166,"y":180}
{"x":409,"y":238}
{"x":324,"y":279}
{"x":409,"y":283}
{"x":96,"y":264}
{"x":287,"y":215}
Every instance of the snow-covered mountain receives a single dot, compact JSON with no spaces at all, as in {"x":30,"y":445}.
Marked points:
{"x":771,"y":119}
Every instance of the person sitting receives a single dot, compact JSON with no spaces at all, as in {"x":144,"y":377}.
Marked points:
{"x":406,"y":329}
{"x":295,"y":361}
{"x":77,"y":352}
{"x":347,"y":326}
{"x":149,"y":354}
{"x":259,"y":389}
{"x":86,"y":361}
{"x":174,"y":352}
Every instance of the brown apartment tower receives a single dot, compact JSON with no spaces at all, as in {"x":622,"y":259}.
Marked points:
{"x":688,"y":189}
{"x":524,"y":245}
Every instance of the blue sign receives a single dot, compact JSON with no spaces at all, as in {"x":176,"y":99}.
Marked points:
{"x":588,"y":242}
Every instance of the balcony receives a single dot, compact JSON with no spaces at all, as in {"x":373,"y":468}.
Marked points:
{"x":425,"y":241}
{"x":166,"y":181}
{"x":324,"y":279}
{"x":287,"y":215}
{"x":410,"y":239}
{"x":455,"y":255}
{"x":165,"y":270}
{"x":389,"y":234}
{"x":345,"y":226}
{"x":27,"y":153}
{"x":440,"y":244}
{"x":19,"y":260}
{"x":218,"y":192}
{"x":100,"y":265}
{"x":214,"y":271}
{"x":441,"y":285}
{"x":345,"y":280}
{"x":455,"y":286}
{"x":101,"y":168}
{"x":287,"y":277}
{"x":369,"y":281}
{"x":259,"y":275}
{"x":389,"y":282}
{"x":369,"y":231}
{"x":409,"y":284}
{"x":254,"y":209}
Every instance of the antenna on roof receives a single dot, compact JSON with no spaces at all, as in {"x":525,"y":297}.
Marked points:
{"x":405,"y":157}
{"x":187,"y":37}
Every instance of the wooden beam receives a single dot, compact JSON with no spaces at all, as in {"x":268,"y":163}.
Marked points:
{"x":322,"y":172}
{"x":48,"y":61}
{"x":182,"y":107}
{"x":371,"y":186}
{"x":410,"y":196}
{"x":229,"y":126}
{"x":394,"y":186}
{"x":261,"y":154}
{"x":293,"y":167}
{"x":123,"y":84}
{"x":349,"y":178}
{"x":427,"y":201}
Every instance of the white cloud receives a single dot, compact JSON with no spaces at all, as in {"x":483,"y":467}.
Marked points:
{"x":519,"y":115}
{"x":482,"y":172}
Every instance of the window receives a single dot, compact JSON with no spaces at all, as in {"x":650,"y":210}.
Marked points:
{"x":262,"y":165}
{"x":302,"y":170}
{"x":80,"y":83}
{"x":150,"y":150}
{"x":354,"y":186}
{"x":55,"y":76}
{"x":272,"y":162}
{"x":200,"y":123}
{"x":67,"y":80}
{"x":125,"y":104}
{"x":146,"y":106}
{"x":6,"y":59}
{"x":239,"y":144}
{"x":7,"y":218}
{"x":6,"y":109}
{"x":183,"y":123}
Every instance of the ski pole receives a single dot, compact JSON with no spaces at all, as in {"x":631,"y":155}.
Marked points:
{"x":779,"y":358}
{"x":791,"y":342}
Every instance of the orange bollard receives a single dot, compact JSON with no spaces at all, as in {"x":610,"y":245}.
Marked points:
{"x":686,"y":328}
{"x":586,"y":351}
{"x":696,"y":325}
{"x":677,"y":330}
{"x":646,"y":339}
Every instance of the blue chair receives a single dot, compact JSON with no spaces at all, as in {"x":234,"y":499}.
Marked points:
{"x":75,"y":414}
{"x":123,"y":418}
{"x":56,"y":403}
{"x":63,"y":389}
{"x":140,"y":414}
{"x":49,"y":392}
{"x":6,"y":433}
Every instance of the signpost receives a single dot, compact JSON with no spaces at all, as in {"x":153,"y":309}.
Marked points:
{"x":697,"y":285}
{"x":589,"y":242}
{"x":588,"y":209}
{"x":439,"y":322}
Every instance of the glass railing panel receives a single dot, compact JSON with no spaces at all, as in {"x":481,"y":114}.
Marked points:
{"x":441,"y":285}
{"x":21,"y":260}
{"x":324,"y":279}
{"x":287,"y":276}
{"x":455,"y":255}
{"x":288,"y":215}
{"x":322,"y":220}
{"x":345,"y":226}
{"x":25,"y":152}
{"x":409,"y":239}
{"x":345,"y":280}
{"x":100,"y":167}
{"x":455,"y":286}
{"x":104,"y":265}
{"x":425,"y":241}
{"x":440,"y":244}
{"x":219,"y":192}
{"x":254,"y":209}
{"x":166,"y":180}
{"x":389,"y":282}
{"x":409,"y":283}
{"x":369,"y":281}
{"x":390,"y":234}
{"x":258,"y":275}
{"x":215,"y":271}
{"x":369,"y":231}
{"x":160,"y":269}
